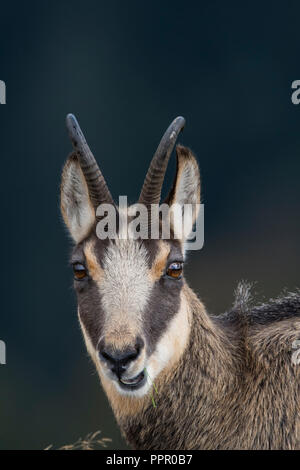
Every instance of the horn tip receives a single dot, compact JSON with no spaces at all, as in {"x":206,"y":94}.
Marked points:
{"x":180,"y":120}
{"x":176,"y":127}
{"x":74,"y":130}
{"x":71,"y":120}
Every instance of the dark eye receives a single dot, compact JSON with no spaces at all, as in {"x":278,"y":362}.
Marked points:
{"x":80,"y":271}
{"x":175,"y":270}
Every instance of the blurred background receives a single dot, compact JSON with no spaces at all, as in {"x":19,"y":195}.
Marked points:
{"x":126,"y":69}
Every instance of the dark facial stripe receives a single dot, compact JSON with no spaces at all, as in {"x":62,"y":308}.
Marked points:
{"x":164,"y":302}
{"x":90,"y":310}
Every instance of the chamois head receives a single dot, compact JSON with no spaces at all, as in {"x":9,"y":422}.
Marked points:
{"x":129,"y":288}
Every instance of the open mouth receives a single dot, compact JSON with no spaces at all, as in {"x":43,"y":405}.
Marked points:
{"x":133,"y":384}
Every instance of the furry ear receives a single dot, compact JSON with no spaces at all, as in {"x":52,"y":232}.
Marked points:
{"x":76,"y":207}
{"x":185,"y":193}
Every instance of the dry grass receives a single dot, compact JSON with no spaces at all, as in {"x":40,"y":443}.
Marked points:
{"x":91,"y":442}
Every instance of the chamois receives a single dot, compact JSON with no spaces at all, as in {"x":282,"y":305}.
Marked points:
{"x":223,"y":382}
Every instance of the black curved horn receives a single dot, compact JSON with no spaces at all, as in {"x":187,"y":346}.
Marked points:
{"x":98,"y":190}
{"x":151,"y":191}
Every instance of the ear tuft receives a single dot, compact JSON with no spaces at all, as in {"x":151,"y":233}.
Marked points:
{"x":76,"y":207}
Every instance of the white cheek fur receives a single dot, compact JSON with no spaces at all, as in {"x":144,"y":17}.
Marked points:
{"x":172,"y":343}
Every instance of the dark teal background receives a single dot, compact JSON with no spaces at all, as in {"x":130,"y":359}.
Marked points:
{"x":126,"y":69}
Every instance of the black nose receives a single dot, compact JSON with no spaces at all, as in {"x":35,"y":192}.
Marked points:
{"x":118,"y":360}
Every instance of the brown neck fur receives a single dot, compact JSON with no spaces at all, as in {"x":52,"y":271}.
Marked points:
{"x":216,"y":396}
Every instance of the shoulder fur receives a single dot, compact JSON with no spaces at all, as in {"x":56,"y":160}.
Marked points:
{"x":284,"y":307}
